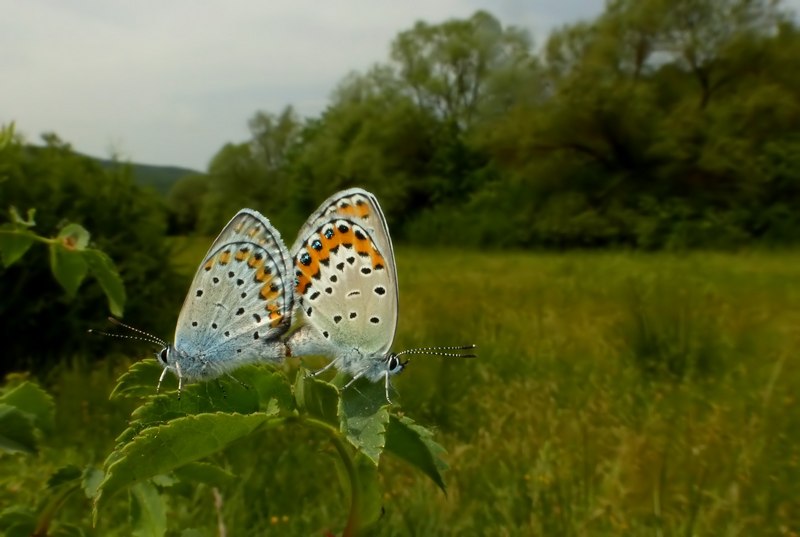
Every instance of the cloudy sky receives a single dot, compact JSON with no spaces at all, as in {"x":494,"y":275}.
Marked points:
{"x":170,"y":82}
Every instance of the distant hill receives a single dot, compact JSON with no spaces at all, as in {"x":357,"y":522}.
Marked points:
{"x":160,"y":178}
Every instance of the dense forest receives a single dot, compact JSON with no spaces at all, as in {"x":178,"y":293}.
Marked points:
{"x":660,"y":124}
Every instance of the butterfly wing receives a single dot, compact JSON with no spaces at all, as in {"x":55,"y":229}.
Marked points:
{"x":242,"y":293}
{"x":346,"y":275}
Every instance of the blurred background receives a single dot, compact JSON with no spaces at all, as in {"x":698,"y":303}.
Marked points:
{"x":605,"y":197}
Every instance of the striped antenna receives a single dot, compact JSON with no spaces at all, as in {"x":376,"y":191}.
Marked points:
{"x":442,"y":351}
{"x":143,"y":336}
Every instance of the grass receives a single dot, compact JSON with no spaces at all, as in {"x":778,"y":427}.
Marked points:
{"x":615,"y":393}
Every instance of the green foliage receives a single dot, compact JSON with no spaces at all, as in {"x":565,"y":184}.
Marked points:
{"x":169,"y":434}
{"x":42,"y":306}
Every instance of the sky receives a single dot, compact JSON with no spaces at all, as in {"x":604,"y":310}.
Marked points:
{"x":170,"y":82}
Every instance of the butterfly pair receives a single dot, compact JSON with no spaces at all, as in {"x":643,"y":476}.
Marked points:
{"x":340,"y":282}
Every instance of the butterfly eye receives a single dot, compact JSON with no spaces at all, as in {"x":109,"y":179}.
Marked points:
{"x":394,"y":365}
{"x":163,"y":354}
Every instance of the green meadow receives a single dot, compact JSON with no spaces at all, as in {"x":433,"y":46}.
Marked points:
{"x":614,"y":394}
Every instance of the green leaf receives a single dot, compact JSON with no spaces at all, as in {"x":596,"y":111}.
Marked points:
{"x":34,"y":402}
{"x":65,"y":474}
{"x":203,"y":472}
{"x":92,"y":477}
{"x":363,"y":415}
{"x":69,"y":268}
{"x":14,"y":243}
{"x":270,"y":385}
{"x":74,"y":237}
{"x":318,"y":398}
{"x":139,"y":381}
{"x":414,"y":444}
{"x":148,"y":515}
{"x":17,"y":220}
{"x":16,"y":431}
{"x":162,"y":449}
{"x":15,"y":519}
{"x":103,"y":270}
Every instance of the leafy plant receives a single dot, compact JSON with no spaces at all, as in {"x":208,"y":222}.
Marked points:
{"x":71,"y":260}
{"x":171,"y":436}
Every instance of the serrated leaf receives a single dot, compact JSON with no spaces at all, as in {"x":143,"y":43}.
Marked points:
{"x":318,"y":398}
{"x":74,"y":237}
{"x":16,"y":431}
{"x":148,"y":515}
{"x":203,"y":472}
{"x":14,"y":243}
{"x":415,"y":445}
{"x":103,"y":270}
{"x":162,"y":449}
{"x":140,"y":380}
{"x":33,"y":401}
{"x":69,"y":268}
{"x":363,"y":415}
{"x":65,"y":474}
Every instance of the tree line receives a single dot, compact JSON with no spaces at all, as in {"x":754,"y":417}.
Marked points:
{"x":659,"y":124}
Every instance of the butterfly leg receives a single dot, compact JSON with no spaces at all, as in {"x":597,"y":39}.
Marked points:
{"x":180,"y":378}
{"x":161,"y":379}
{"x":386,"y":375}
{"x":320,"y":371}
{"x":352,"y":380}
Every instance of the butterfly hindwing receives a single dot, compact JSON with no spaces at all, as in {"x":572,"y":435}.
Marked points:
{"x":345,"y":287}
{"x":242,"y":293}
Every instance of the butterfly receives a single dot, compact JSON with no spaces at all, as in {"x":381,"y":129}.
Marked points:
{"x":239,"y":304}
{"x":347,"y":292}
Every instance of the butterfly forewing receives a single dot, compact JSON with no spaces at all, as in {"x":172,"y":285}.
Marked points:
{"x":241,"y":293}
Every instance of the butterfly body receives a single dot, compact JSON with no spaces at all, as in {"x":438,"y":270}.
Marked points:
{"x":239,"y":303}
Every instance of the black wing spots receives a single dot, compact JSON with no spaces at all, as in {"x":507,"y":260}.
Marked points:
{"x":325,"y":334}
{"x":353,"y":315}
{"x":378,"y":266}
{"x":215,"y":279}
{"x":240,"y":311}
{"x":351,"y":260}
{"x":255,"y":335}
{"x":334,"y":278}
{"x":258,"y":256}
{"x":340,"y":266}
{"x":238,"y":351}
{"x":348,"y":245}
{"x":380,"y":291}
{"x":240,"y":282}
{"x":309,"y":310}
{"x":317,"y":275}
{"x":257,"y":317}
{"x":342,"y":228}
{"x":354,"y":292}
{"x":243,"y":295}
{"x":334,"y":250}
{"x":316,"y":244}
{"x":325,"y":262}
{"x":199,"y":293}
{"x":214,"y":326}
{"x":329,"y":290}
{"x":366,"y":271}
{"x":194,"y":323}
{"x":227,"y":333}
{"x":360,"y":235}
{"x":314,"y":295}
{"x":231,"y":274}
{"x":337,"y":319}
{"x":374,"y":320}
{"x":328,"y":233}
{"x":305,"y":258}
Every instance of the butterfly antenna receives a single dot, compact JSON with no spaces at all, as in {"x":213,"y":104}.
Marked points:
{"x":143,"y":336}
{"x":448,"y":351}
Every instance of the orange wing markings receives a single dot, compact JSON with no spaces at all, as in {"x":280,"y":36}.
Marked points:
{"x":275,"y":316}
{"x":242,"y":254}
{"x":209,"y":264}
{"x":225,"y":257}
{"x":269,"y":291}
